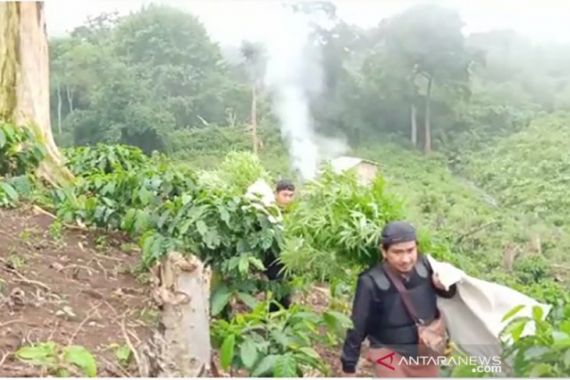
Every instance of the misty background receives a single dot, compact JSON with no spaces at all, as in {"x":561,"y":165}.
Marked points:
{"x":229,"y":22}
{"x":463,"y":106}
{"x":315,"y":67}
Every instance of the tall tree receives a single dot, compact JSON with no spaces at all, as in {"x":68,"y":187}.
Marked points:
{"x":428,"y":40}
{"x":255,"y":66}
{"x":172,"y":51}
{"x":24,"y":79}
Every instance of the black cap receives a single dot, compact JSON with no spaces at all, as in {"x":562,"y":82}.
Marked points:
{"x":397,"y":232}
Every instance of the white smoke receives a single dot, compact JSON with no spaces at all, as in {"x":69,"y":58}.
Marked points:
{"x":294,"y":74}
{"x":329,"y":148}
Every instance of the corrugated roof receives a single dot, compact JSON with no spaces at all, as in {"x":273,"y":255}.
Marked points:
{"x":344,"y":163}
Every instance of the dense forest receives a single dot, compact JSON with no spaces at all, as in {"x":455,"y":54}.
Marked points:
{"x":164,"y":130}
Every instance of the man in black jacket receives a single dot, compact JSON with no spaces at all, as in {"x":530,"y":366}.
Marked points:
{"x":378,"y":311}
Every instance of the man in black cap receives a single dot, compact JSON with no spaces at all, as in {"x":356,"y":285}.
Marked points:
{"x":379,"y":312}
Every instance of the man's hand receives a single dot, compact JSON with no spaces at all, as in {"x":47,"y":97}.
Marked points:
{"x":436,"y":282}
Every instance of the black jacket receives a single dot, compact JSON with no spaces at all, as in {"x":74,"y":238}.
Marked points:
{"x":379,"y":315}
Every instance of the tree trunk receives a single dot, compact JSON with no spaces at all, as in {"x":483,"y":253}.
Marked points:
{"x":59,"y":106}
{"x":254,"y":117}
{"x":69,"y":98}
{"x":180,"y":347}
{"x":414,"y":123}
{"x":427,"y":142}
{"x":24,"y":80}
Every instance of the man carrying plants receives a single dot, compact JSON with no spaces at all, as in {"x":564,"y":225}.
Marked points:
{"x":395,"y":308}
{"x":284,"y":195}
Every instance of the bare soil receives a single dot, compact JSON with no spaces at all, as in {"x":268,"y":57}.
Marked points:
{"x":80,"y":287}
{"x":71,"y":287}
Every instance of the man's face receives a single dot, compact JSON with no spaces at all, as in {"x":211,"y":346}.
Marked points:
{"x":284,"y":197}
{"x":402,"y":256}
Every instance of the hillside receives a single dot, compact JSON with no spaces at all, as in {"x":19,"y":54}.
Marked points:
{"x":467,"y":211}
{"x":528,"y":173}
{"x":83,"y":290}
{"x":163,"y":205}
{"x":77,"y":288}
{"x":492,"y":239}
{"x":141,"y":251}
{"x":529,"y":170}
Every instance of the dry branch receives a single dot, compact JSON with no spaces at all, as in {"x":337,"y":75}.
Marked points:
{"x":22,"y":278}
{"x":87,"y":317}
{"x":131,"y":347}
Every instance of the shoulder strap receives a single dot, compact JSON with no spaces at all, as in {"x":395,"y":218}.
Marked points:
{"x":404,"y":294}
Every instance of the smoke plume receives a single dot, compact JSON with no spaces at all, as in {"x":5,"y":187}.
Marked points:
{"x":293,"y":75}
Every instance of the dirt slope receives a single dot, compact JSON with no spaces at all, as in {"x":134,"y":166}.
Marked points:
{"x":82,"y":288}
{"x":69,"y":287}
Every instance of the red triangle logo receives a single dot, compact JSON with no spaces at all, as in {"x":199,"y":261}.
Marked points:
{"x":387,"y":360}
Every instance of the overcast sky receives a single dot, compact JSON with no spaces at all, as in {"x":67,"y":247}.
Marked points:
{"x":230,"y":21}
